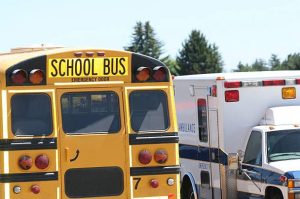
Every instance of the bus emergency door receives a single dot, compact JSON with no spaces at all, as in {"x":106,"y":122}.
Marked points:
{"x":92,"y":143}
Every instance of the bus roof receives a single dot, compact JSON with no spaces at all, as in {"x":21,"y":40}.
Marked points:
{"x":9,"y":59}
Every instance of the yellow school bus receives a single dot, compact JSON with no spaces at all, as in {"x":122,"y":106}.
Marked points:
{"x":87,"y":123}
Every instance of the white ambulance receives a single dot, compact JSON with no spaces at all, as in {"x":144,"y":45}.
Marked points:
{"x":239,"y":135}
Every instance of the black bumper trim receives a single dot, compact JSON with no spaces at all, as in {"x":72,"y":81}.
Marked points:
{"x":28,"y":177}
{"x":153,"y":138}
{"x":28,"y":144}
{"x":140,"y":171}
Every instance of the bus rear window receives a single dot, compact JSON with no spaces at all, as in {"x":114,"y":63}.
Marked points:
{"x":31,"y":114}
{"x":90,"y":112}
{"x":149,"y":110}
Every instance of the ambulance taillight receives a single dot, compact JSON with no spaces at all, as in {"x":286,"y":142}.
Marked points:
{"x":232,"y":84}
{"x":232,"y":96}
{"x":273,"y":82}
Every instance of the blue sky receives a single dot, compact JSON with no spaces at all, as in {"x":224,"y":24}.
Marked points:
{"x":243,"y":30}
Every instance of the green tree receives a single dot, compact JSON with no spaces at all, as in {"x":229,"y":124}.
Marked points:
{"x":274,"y":62}
{"x":243,"y":68}
{"x":171,"y":64}
{"x":144,"y":41}
{"x":197,"y":56}
{"x":292,"y":62}
{"x":258,"y":65}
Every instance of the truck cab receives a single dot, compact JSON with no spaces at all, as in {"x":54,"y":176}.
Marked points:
{"x":271,"y":158}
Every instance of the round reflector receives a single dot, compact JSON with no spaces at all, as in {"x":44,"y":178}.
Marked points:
{"x":25,"y":162}
{"x":154,"y":183}
{"x":17,"y":189}
{"x":161,"y":156}
{"x":19,"y":76}
{"x":143,"y":74}
{"x":36,"y":76}
{"x":35,"y":189}
{"x":170,"y":181}
{"x":42,"y":161}
{"x":160,"y":73}
{"x":145,"y":156}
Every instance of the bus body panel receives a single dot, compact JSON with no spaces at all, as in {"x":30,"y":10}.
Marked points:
{"x":88,"y":157}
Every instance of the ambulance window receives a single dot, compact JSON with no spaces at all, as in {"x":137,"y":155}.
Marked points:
{"x":31,"y":114}
{"x":90,"y":112}
{"x":253,"y":153}
{"x":149,"y":110}
{"x":205,"y":178}
{"x":202,"y":120}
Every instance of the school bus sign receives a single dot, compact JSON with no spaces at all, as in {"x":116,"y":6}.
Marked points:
{"x":74,"y":67}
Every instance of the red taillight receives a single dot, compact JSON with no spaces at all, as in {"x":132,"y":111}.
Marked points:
{"x":160,"y":73}
{"x":36,"y":76}
{"x":143,"y":74}
{"x":35,"y":189}
{"x":145,"y":156}
{"x":201,"y":102}
{"x":161,"y":156}
{"x":232,"y":84}
{"x":232,"y":96}
{"x":19,"y":76}
{"x":42,"y":161}
{"x":154,"y":183}
{"x":273,"y":82}
{"x":297,"y":81}
{"x":213,"y":91}
{"x":283,"y":179}
{"x":25,"y":162}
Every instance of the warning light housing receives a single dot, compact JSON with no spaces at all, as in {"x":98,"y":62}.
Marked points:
{"x":160,"y":73}
{"x":36,"y":76}
{"x":19,"y":76}
{"x":143,"y":74}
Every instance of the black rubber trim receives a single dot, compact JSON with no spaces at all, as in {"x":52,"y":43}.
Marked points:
{"x":153,"y":138}
{"x":140,"y":171}
{"x":28,"y":177}
{"x":28,"y":144}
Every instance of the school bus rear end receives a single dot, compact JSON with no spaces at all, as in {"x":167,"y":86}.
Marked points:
{"x":87,"y":123}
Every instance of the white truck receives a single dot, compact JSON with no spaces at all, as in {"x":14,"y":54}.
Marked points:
{"x":239,"y":135}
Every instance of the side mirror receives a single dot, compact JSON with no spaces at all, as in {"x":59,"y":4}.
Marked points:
{"x":241,"y":154}
{"x":233,"y":161}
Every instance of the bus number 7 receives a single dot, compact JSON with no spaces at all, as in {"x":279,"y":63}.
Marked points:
{"x":138,"y":180}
